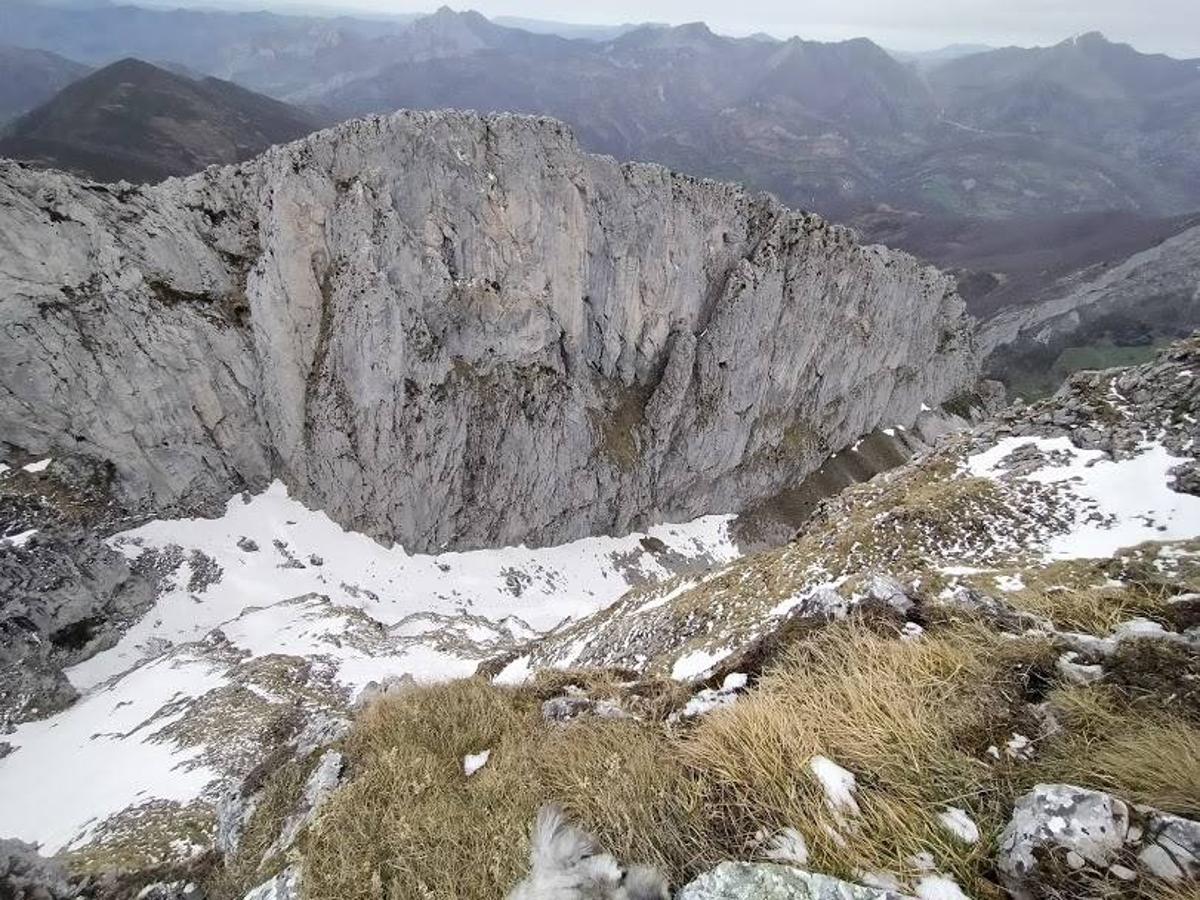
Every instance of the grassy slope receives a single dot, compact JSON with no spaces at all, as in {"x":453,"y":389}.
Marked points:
{"x":913,"y":719}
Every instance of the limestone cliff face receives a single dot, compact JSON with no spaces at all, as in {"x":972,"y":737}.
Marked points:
{"x":454,"y":330}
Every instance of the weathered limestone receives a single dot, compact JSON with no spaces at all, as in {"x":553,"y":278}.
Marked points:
{"x":454,"y":331}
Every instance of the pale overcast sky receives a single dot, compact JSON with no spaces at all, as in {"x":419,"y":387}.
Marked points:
{"x":1166,"y":26}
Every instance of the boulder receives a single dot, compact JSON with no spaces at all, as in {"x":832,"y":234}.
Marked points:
{"x":1065,"y":818}
{"x":26,"y":875}
{"x":771,"y":881}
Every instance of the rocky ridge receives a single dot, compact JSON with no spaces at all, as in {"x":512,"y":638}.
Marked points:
{"x":1033,"y":485}
{"x":455,"y":331}
{"x":1015,"y":538}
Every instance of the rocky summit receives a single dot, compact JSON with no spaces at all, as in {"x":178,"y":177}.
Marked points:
{"x":455,"y":331}
{"x":429,"y":509}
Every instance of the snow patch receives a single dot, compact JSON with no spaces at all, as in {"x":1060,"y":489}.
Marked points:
{"x":19,"y":540}
{"x":1115,"y":503}
{"x":473,"y":762}
{"x":959,"y":824}
{"x":939,"y":887}
{"x":694,"y":664}
{"x":839,"y":785}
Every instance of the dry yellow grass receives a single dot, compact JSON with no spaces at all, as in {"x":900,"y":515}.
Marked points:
{"x":911,"y":719}
{"x":1142,"y":755}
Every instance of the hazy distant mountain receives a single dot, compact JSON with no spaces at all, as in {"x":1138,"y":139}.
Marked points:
{"x":31,"y":77}
{"x":136,"y":121}
{"x":844,"y":128}
{"x":570,"y":30}
{"x":278,"y":54}
{"x":929,"y":58}
{"x":1141,"y":111}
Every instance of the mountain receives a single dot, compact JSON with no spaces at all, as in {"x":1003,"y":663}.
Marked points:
{"x":568,"y":29}
{"x":1115,"y":314}
{"x":1136,"y":109}
{"x":431,"y":324}
{"x":843,"y":129}
{"x":927,"y":59}
{"x":28,"y":78}
{"x":998,"y":620}
{"x":135,"y":121}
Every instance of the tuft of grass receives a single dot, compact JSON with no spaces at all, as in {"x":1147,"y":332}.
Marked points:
{"x":1078,"y":595}
{"x":250,"y":866}
{"x":911,"y":719}
{"x":410,"y":823}
{"x":1141,"y":754}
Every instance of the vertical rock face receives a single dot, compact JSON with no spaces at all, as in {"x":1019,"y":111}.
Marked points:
{"x":453,"y":330}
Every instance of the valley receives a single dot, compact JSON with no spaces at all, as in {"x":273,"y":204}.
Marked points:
{"x":457,"y":457}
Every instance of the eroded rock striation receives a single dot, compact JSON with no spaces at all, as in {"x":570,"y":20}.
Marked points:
{"x":451,"y":330}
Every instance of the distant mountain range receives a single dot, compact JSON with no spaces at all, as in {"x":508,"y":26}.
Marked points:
{"x":841,"y":128}
{"x":135,"y":121}
{"x":1015,"y":168}
{"x":31,"y":77}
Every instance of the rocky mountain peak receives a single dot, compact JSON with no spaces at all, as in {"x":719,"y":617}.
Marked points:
{"x":431,"y":324}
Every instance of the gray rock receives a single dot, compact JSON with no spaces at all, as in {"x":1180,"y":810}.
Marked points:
{"x":66,"y":595}
{"x":456,"y":331}
{"x":886,"y":589}
{"x":320,"y":730}
{"x":26,"y":874}
{"x":1060,"y":817}
{"x":284,"y":886}
{"x":234,"y":811}
{"x":323,"y":781}
{"x":1159,"y":863}
{"x":1078,"y":673}
{"x":567,"y":708}
{"x":1178,"y":838}
{"x":770,"y":881}
{"x":171,"y":890}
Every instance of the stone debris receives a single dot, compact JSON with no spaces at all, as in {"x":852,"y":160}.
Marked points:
{"x":26,"y":874}
{"x":771,"y":881}
{"x":284,"y":886}
{"x":1094,"y":829}
{"x":323,"y":781}
{"x":569,"y":707}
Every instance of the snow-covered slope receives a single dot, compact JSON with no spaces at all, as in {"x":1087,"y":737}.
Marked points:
{"x":272,"y":608}
{"x":1109,"y":463}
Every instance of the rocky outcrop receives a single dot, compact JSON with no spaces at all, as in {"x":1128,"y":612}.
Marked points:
{"x":453,"y":330}
{"x":1092,"y":828}
{"x":769,"y":881}
{"x":1149,"y":297}
{"x":64,"y":594}
{"x":24,"y":873}
{"x":1165,"y":272}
